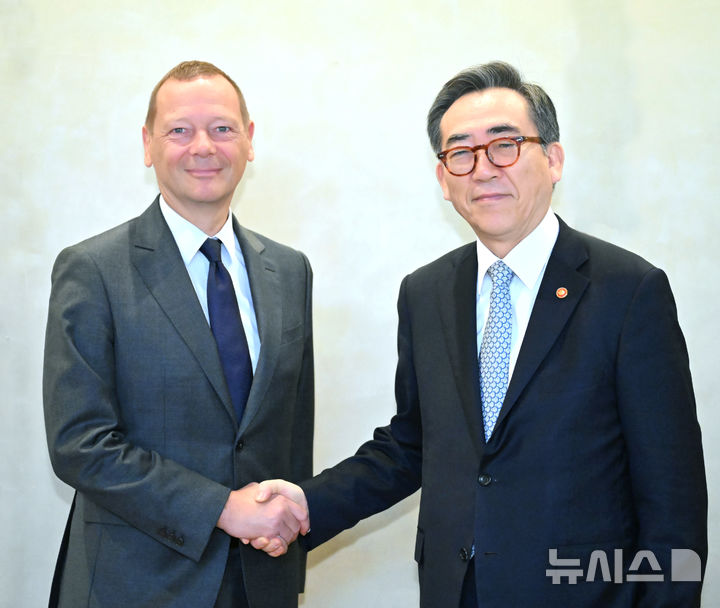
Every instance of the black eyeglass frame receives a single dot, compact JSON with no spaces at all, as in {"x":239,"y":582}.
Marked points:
{"x":518,"y":141}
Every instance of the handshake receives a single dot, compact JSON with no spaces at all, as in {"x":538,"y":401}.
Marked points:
{"x":268,"y":515}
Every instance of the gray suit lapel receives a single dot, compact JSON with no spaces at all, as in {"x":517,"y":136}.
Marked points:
{"x":268,"y":304}
{"x":158,"y":262}
{"x":457,"y":298}
{"x":550,"y":313}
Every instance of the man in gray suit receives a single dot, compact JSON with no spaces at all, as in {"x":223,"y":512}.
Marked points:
{"x":142,"y":413}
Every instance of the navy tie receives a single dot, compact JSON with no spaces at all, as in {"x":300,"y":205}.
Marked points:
{"x":227,"y":327}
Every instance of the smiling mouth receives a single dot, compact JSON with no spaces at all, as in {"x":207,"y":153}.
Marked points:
{"x":203,"y":172}
{"x":490,"y":197}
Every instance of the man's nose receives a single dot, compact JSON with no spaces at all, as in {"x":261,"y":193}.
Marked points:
{"x":202,"y":144}
{"x":484,"y":169}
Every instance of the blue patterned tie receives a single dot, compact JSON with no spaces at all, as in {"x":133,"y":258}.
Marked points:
{"x":495,"y":348}
{"x":227,"y":327}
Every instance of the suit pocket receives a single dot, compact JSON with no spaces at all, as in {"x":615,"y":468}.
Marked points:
{"x":419,"y":546}
{"x":584,"y":549}
{"x":292,"y":334}
{"x":95,"y":514}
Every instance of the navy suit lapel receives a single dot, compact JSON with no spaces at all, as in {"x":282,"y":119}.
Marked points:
{"x":158,"y":262}
{"x":267,"y":301}
{"x":457,"y":301}
{"x":550,"y":313}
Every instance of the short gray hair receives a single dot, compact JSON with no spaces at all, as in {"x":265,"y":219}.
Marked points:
{"x":497,"y":74}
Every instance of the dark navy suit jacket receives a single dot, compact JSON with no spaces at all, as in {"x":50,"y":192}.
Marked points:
{"x":597,"y":446}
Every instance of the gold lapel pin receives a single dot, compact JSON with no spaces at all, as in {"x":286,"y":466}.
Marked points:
{"x":561,"y":292}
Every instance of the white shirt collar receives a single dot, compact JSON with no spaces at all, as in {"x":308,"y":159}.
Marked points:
{"x":529,"y":257}
{"x":189,"y":237}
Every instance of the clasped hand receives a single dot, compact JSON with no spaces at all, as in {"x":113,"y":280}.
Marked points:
{"x":269,"y":515}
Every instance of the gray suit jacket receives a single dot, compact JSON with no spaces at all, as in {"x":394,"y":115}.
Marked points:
{"x":139,"y":419}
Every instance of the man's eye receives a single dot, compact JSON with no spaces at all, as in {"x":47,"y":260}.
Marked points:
{"x":223,"y":129}
{"x":178,"y":130}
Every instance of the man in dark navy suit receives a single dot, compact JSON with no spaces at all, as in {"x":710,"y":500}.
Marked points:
{"x":544,"y":399}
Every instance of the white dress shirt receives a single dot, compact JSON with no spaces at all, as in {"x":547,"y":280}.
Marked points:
{"x":189,"y":239}
{"x":527,"y":260}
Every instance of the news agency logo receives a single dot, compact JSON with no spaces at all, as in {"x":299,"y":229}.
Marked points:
{"x":685,"y":567}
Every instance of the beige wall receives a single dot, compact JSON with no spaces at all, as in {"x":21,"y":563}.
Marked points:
{"x":339,"y":93}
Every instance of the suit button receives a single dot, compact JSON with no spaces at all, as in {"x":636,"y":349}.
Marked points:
{"x":484,"y":479}
{"x":239,"y":445}
{"x":180,"y":541}
{"x":464,"y":554}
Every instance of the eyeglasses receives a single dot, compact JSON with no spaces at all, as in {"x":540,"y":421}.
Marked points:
{"x":501,"y":152}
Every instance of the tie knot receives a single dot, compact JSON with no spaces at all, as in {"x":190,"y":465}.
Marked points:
{"x":500,"y":273}
{"x":211,"y":250}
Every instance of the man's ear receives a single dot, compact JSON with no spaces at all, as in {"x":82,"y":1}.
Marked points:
{"x":250,"y":132}
{"x":556,"y":160}
{"x":441,"y":175}
{"x":146,"y":137}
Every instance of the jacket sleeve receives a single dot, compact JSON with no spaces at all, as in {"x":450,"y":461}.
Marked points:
{"x":87,"y":438}
{"x":304,"y":422}
{"x":658,"y":415}
{"x":302,"y":435}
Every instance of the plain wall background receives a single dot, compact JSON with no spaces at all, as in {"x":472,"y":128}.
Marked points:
{"x":339,"y":92}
